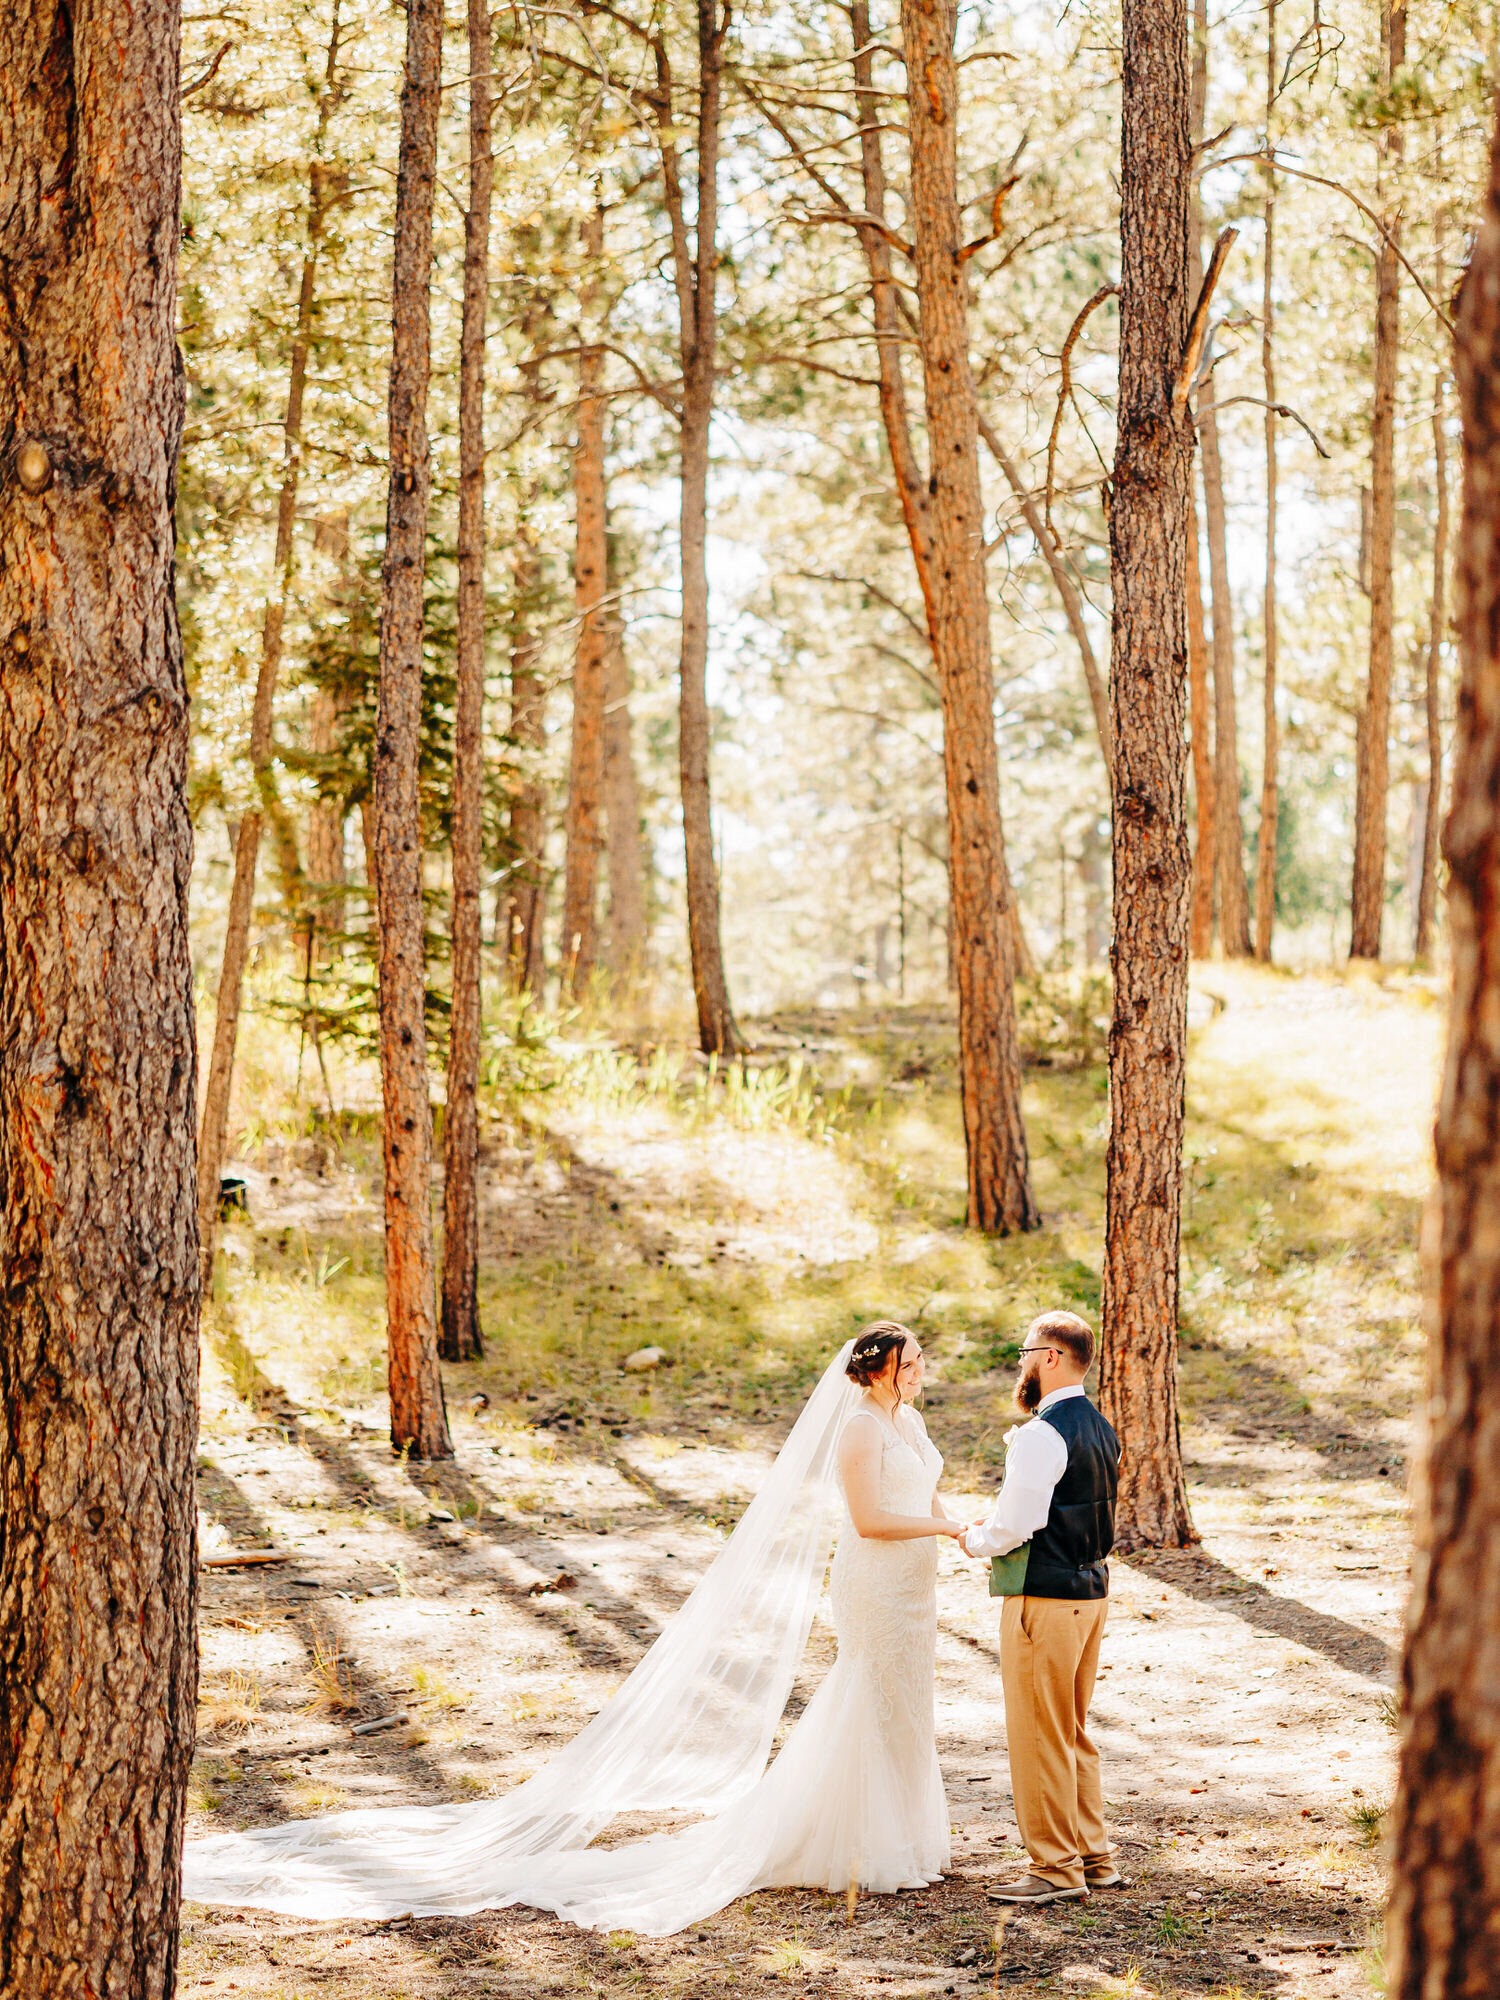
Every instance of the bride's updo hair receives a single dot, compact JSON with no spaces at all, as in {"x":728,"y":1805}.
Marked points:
{"x":873,"y":1345}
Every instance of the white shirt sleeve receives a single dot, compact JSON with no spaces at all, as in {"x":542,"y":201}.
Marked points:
{"x":1035,"y":1459}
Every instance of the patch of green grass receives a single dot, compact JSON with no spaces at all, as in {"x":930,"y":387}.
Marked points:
{"x":1170,"y":1928}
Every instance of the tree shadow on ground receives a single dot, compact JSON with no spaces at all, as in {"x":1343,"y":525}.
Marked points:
{"x":1202,"y":1576}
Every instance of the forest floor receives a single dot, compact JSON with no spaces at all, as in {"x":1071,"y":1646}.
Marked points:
{"x":1244,"y":1705}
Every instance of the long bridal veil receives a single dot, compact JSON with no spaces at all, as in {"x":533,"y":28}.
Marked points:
{"x":689,"y":1730}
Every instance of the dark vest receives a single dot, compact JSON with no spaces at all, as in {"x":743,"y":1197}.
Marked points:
{"x":1067,"y":1556}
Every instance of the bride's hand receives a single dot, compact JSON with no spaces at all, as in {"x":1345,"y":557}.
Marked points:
{"x":947,"y":1527}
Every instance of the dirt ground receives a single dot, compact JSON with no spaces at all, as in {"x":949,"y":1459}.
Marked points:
{"x":490,"y":1607}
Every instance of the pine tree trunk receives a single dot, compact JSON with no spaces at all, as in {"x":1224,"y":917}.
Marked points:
{"x":889,"y":314}
{"x":418,"y":1421}
{"x":1444,"y":1916}
{"x":1234,"y":910}
{"x":1372,"y":774}
{"x":1437,"y":618}
{"x":1270,"y":806}
{"x":459,"y":1337}
{"x":1148,"y":523}
{"x":1000,"y":1197}
{"x":584,"y":819}
{"x":1229,"y":842}
{"x":327,"y":871}
{"x":1200,"y":723}
{"x":214,"y":1123}
{"x":622,"y":812}
{"x":524,"y":897}
{"x":98,"y":1216}
{"x":697,"y":277}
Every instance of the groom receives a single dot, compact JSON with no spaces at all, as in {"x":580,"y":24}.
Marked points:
{"x":1048,"y":1535}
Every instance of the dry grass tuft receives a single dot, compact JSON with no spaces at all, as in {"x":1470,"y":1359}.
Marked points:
{"x":330,"y":1687}
{"x":232,"y":1708}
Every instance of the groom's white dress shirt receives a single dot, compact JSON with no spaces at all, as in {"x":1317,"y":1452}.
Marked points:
{"x":1035,"y":1459}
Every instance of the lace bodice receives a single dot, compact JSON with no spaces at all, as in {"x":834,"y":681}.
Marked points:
{"x":910,"y":1463}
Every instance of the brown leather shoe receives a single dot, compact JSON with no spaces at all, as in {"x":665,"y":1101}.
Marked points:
{"x":1034,"y":1889}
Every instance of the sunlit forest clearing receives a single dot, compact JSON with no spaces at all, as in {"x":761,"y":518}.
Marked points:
{"x":700,"y":707}
{"x":492,"y":1604}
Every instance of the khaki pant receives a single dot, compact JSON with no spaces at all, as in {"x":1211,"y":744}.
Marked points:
{"x":1049,"y":1654}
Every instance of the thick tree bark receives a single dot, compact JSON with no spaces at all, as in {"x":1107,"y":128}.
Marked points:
{"x":584,"y":819}
{"x":524,"y":897}
{"x":1444,"y":1921}
{"x":622,"y":813}
{"x":98,"y":1216}
{"x":1270,"y":805}
{"x":1372,"y":771}
{"x":418,"y":1421}
{"x":1148,"y":524}
{"x":459,"y":1336}
{"x":1000,"y":1197}
{"x":696,"y":273}
{"x":944,"y":526}
{"x":1200,"y":725}
{"x":214,"y":1124}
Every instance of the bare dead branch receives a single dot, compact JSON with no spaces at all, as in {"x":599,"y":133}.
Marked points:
{"x":208,"y":75}
{"x":997,"y":210}
{"x":1065,"y":390}
{"x":1197,"y":331}
{"x":1337,"y":187}
{"x":1282,"y":410}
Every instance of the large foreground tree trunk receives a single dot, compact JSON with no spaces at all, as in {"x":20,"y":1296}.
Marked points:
{"x":1444,"y":1930}
{"x":1148,"y":669}
{"x":1372,"y":769}
{"x":584,"y":819}
{"x":459,"y":1336}
{"x":215,"y":1119}
{"x":98,"y":1216}
{"x":418,"y":1421}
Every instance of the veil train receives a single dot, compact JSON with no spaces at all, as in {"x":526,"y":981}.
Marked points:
{"x":690,"y":1730}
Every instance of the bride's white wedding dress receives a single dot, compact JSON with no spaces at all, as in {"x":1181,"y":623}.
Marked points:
{"x":854,"y":1796}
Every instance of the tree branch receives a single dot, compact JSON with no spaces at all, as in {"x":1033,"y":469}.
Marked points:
{"x":1282,"y":410}
{"x":1065,"y":388}
{"x":209,"y":74}
{"x":1197,"y":331}
{"x":1337,"y":187}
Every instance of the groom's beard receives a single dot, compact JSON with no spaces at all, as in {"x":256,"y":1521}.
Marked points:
{"x":1029,"y":1391}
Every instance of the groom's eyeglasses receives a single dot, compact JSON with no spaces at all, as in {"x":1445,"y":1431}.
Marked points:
{"x":1037,"y":1350}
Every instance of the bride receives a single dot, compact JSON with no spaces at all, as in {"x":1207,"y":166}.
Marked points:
{"x":855,"y":1795}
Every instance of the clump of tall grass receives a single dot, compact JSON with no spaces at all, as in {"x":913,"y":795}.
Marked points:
{"x":232,"y":1708}
{"x":330,"y":1686}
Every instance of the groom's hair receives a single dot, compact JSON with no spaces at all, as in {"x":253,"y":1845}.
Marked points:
{"x":1065,"y":1330}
